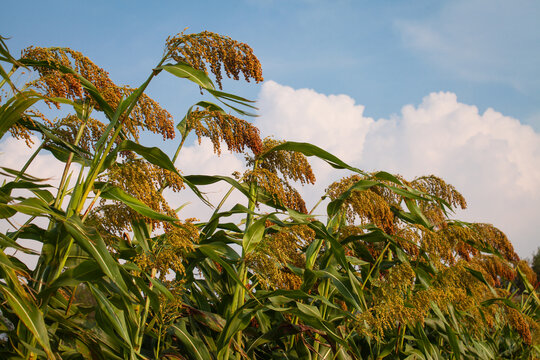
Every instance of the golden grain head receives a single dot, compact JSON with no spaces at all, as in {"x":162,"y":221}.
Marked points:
{"x":238,"y":134}
{"x":498,"y":268}
{"x":488,"y":235}
{"x":168,"y":250}
{"x":20,"y":131}
{"x":531,"y":276}
{"x":68,"y":127}
{"x":143,"y":181}
{"x":275,"y":251}
{"x":207,"y":49}
{"x":55,"y":83}
{"x":147,"y":113}
{"x":292,"y":165}
{"x":436,"y":186}
{"x":367,"y":206}
{"x":518,"y":321}
{"x":280,"y":191}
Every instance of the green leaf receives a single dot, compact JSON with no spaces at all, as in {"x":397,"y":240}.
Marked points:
{"x":62,"y":154}
{"x":141,"y":234}
{"x":213,"y":321}
{"x":193,"y":345}
{"x":160,"y":287}
{"x":419,"y":217}
{"x":312,"y":252}
{"x":309,"y":310}
{"x":87,"y":270}
{"x":210,"y":251}
{"x":212,"y":179}
{"x":6,"y":242}
{"x":114,"y":315}
{"x":184,"y":70}
{"x":528,"y":285}
{"x":93,"y":244}
{"x":454,"y":343}
{"x":36,"y":207}
{"x":341,"y":285}
{"x":254,"y":235}
{"x":21,"y":175}
{"x":193,"y":180}
{"x":61,"y":144}
{"x":153,"y":155}
{"x":222,"y":96}
{"x":477,"y":274}
{"x":238,"y":322}
{"x":22,"y":185}
{"x":28,"y":312}
{"x":231,"y":97}
{"x":12,"y":110}
{"x":312,"y":150}
{"x":112,"y":192}
{"x":6,"y":211}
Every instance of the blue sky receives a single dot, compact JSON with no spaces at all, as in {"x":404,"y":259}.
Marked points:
{"x":378,"y":52}
{"x":444,"y":87}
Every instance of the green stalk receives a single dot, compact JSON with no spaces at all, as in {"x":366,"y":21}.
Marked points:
{"x":173,"y":161}
{"x":379,"y":259}
{"x":178,"y":149}
{"x":93,"y":174}
{"x":59,"y":196}
{"x":157,"y":350}
{"x":11,"y":72}
{"x":224,"y":199}
{"x":239,"y":291}
{"x":140,"y":330}
{"x":249,"y":220}
{"x":319,"y":202}
{"x":326,"y":290}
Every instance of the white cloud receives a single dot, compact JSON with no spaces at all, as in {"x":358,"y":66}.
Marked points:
{"x":482,"y":40}
{"x":307,"y":116}
{"x":13,"y":155}
{"x":201,"y":160}
{"x":492,"y":159}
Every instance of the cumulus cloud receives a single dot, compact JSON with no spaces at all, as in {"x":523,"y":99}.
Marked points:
{"x":482,"y":40}
{"x":491,"y":158}
{"x":201,"y":160}
{"x":13,"y":155}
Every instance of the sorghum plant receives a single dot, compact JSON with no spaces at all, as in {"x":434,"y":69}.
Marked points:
{"x":385,"y":274}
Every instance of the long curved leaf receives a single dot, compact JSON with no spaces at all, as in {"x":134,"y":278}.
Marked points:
{"x":94,"y":245}
{"x":312,"y":150}
{"x":11,"y":111}
{"x":31,"y":316}
{"x":112,"y":192}
{"x":153,"y":155}
{"x":193,"y":345}
{"x":186,"y":71}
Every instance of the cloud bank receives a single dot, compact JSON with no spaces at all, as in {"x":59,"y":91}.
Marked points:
{"x":492,"y":159}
